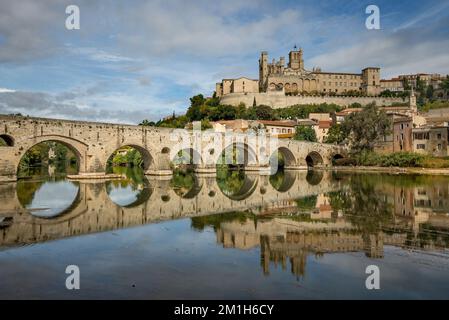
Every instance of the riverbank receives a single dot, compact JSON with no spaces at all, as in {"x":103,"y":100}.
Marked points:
{"x":392,"y":170}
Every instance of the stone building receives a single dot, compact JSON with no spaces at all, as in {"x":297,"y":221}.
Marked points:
{"x":278,"y":128}
{"x":400,"y":139}
{"x":431,"y":140}
{"x":240,"y":85}
{"x":293,"y":78}
{"x":393,"y":85}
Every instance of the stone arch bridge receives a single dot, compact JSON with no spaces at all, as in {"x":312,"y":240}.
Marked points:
{"x":93,"y":143}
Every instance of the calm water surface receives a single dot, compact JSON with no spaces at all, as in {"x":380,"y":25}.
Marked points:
{"x":295,"y":235}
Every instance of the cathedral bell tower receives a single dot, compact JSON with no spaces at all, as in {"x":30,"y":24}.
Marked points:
{"x":295,"y":60}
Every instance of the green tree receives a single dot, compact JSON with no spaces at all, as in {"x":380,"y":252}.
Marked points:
{"x":261,"y":112}
{"x":335,"y":134}
{"x":305,"y":133}
{"x":194,"y":111}
{"x":429,"y":92}
{"x":445,"y":85}
{"x":146,"y":122}
{"x":364,"y":128}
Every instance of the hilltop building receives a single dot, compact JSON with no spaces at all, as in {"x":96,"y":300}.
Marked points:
{"x":295,"y":79}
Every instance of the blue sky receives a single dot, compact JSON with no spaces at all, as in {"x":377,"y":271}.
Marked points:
{"x":143,"y":59}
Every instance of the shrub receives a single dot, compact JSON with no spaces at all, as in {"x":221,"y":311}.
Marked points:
{"x":397,"y":159}
{"x":435,"y":163}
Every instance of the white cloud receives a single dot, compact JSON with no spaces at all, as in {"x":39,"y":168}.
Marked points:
{"x":4,"y":90}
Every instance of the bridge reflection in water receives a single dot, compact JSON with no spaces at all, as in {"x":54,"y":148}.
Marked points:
{"x":93,"y":206}
{"x":288,"y":216}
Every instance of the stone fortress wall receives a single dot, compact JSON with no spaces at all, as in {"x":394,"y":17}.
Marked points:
{"x":280,"y":100}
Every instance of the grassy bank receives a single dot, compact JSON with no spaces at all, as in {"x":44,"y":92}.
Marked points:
{"x":397,"y":159}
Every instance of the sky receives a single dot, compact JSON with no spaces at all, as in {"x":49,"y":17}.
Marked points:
{"x":138,"y":59}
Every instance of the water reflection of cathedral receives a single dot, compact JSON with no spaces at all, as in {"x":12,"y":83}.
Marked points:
{"x":284,"y":240}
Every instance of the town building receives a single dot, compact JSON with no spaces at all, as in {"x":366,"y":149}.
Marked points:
{"x":431,"y":140}
{"x":278,"y":128}
{"x":400,"y":138}
{"x":240,"y":85}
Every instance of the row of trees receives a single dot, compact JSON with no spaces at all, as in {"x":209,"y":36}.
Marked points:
{"x":209,"y":109}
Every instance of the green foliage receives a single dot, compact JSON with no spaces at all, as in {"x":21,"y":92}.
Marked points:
{"x":335,"y":134}
{"x":305,"y":133}
{"x":429,"y":92}
{"x":146,"y":122}
{"x":307,"y":203}
{"x":445,"y":85}
{"x":435,"y":163}
{"x":366,"y":127}
{"x":2,"y":143}
{"x":434,"y":105}
{"x":39,"y":154}
{"x":397,"y":159}
{"x":303,"y":111}
{"x":215,"y":220}
{"x":173,"y":122}
{"x":132,"y":158}
{"x":261,"y":112}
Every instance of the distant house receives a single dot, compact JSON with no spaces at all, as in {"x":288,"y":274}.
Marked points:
{"x":278,"y":128}
{"x":400,"y":138}
{"x":431,"y":140}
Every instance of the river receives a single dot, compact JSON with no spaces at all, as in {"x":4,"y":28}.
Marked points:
{"x":236,"y":235}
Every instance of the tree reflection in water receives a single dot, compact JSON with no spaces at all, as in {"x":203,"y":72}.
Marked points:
{"x":230,"y":181}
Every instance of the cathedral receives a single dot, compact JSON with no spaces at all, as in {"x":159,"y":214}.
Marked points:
{"x":293,"y":79}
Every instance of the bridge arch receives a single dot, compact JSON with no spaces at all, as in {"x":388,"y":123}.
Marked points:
{"x":8,"y":141}
{"x":335,"y":157}
{"x":147,"y":159}
{"x":77,"y":147}
{"x":188,"y":157}
{"x":314,"y":159}
{"x":237,"y":154}
{"x":286,"y":159}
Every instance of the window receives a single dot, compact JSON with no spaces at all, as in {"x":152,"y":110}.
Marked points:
{"x":439,"y":146}
{"x":439,"y":136}
{"x":420,"y":146}
{"x":402,"y":126}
